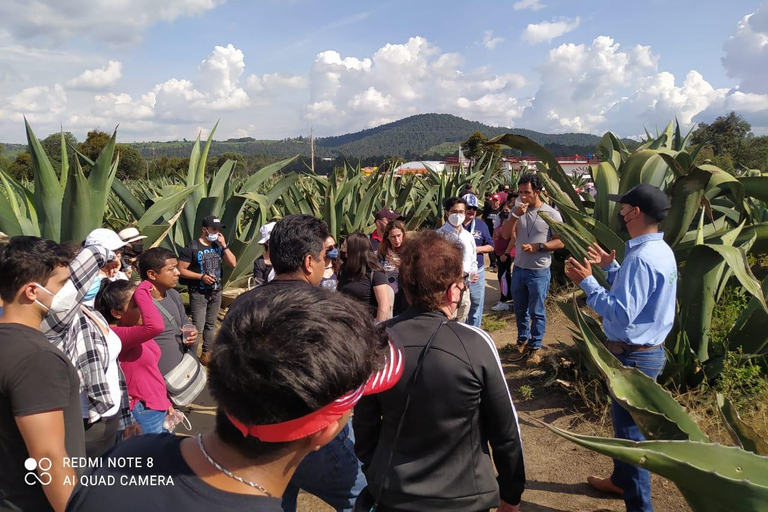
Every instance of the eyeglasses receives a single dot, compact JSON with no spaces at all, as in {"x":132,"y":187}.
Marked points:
{"x":473,"y":208}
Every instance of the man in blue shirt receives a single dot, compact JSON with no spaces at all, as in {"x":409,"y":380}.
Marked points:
{"x":484,"y":245}
{"x":638,"y":313}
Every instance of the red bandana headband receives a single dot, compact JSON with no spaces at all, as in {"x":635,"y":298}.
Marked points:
{"x":316,"y":421}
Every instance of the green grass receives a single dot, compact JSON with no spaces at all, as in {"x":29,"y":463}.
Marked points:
{"x":525,"y":391}
{"x":491,"y":323}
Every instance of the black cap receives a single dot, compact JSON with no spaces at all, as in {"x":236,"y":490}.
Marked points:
{"x":386,"y":213}
{"x":212,"y":221}
{"x":651,"y":200}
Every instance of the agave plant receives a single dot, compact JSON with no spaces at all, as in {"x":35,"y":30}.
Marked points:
{"x":66,"y":207}
{"x":710,"y":477}
{"x":708,"y":254}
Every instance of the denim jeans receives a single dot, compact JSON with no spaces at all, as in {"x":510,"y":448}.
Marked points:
{"x":332,"y":473}
{"x":204,"y":308}
{"x":151,"y":421}
{"x":635,"y":481}
{"x":529,"y":291}
{"x":476,"y":299}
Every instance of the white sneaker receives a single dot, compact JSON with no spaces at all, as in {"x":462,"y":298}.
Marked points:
{"x":500,"y":306}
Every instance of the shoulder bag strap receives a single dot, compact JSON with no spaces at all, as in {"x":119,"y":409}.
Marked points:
{"x":167,"y":315}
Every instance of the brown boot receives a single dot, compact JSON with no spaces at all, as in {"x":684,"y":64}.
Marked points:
{"x":604,"y":485}
{"x":535,"y":358}
{"x":522,"y":348}
{"x":205,"y":358}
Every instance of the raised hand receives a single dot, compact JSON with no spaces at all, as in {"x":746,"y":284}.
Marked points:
{"x":597,"y":256}
{"x":577,"y":272}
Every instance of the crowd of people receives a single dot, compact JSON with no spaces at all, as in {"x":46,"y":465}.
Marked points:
{"x":100,"y":353}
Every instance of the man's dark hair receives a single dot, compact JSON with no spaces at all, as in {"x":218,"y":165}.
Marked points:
{"x":285,"y":353}
{"x":293,"y":238}
{"x":360,"y":258}
{"x":154,"y":259}
{"x":531,"y":179}
{"x":452,"y":201}
{"x":27,"y":259}
{"x":113,"y":295}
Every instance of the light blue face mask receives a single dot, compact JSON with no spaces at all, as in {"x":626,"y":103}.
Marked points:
{"x":95,"y":285}
{"x":332,"y":254}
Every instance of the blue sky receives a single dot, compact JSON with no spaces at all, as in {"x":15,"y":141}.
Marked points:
{"x":166,"y":69}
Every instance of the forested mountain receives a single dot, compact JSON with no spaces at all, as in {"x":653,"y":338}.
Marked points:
{"x":419,"y":136}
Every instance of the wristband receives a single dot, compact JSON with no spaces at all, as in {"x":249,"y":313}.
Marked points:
{"x":515,"y":216}
{"x":224,"y":248}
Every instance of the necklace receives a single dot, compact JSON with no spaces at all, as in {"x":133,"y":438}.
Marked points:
{"x":228,"y":472}
{"x":529,"y":227}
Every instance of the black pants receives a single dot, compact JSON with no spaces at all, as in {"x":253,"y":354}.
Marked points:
{"x":504,"y":272}
{"x":100,"y":436}
{"x":204,"y":308}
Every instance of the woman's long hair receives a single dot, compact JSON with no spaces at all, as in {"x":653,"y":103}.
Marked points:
{"x":113,"y":295}
{"x":385,"y":245}
{"x":360,"y":258}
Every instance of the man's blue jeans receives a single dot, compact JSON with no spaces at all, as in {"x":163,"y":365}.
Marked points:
{"x":635,"y":481}
{"x":477,"y":299}
{"x":332,"y":473}
{"x":529,"y":291}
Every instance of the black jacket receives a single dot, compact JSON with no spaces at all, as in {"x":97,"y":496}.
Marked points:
{"x":460,"y":405}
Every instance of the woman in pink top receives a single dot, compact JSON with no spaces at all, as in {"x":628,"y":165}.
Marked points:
{"x":132,"y":315}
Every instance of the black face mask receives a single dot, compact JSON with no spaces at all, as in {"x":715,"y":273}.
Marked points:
{"x":504,"y":215}
{"x":137,"y":247}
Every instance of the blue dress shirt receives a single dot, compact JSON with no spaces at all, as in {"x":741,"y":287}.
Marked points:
{"x":640,"y":307}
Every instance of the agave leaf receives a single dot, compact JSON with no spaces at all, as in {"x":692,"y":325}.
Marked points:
{"x":256,"y":179}
{"x":129,"y":200}
{"x":719,"y":477}
{"x":551,"y":187}
{"x":100,"y":179}
{"x":64,"y":163}
{"x":556,"y":172}
{"x":756,"y":187}
{"x":612,"y":150}
{"x":741,"y":433}
{"x":654,"y":410}
{"x":47,"y":194}
{"x":77,"y":218}
{"x":749,"y":334}
{"x":602,"y":233}
{"x":10,"y":214}
{"x":163,"y":206}
{"x":606,"y":179}
{"x":576,"y":240}
{"x":687,"y":192}
{"x":220,"y":180}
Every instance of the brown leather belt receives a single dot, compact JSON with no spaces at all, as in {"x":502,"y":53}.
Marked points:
{"x":621,"y":348}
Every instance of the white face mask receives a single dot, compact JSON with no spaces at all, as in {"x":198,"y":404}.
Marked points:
{"x":456,"y":219}
{"x":212,"y":237}
{"x":63,"y":301}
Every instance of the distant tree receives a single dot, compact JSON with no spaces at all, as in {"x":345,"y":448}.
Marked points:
{"x":168,"y":166}
{"x":4,"y":162}
{"x":214,"y":163}
{"x":754,"y":154}
{"x":474,"y":148}
{"x":131,"y":166}
{"x":21,"y":167}
{"x":727,"y":135}
{"x":52,"y":146}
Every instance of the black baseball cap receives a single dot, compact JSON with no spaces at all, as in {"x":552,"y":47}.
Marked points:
{"x":386,"y":213}
{"x":212,"y":221}
{"x":651,"y":200}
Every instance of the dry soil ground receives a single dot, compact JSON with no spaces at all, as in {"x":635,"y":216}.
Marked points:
{"x":556,"y":469}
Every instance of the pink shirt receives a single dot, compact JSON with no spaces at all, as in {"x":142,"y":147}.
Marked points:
{"x":140,"y":354}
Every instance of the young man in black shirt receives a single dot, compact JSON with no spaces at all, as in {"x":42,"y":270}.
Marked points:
{"x":200,"y":267}
{"x":40,"y":420}
{"x":281,"y":393}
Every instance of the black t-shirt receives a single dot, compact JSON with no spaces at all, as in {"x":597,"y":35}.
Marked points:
{"x":362,"y":289}
{"x":261,"y":270}
{"x":176,"y":486}
{"x":35,"y":377}
{"x":203,"y":259}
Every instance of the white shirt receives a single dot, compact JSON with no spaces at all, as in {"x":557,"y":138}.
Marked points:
{"x":469,"y":261}
{"x":114,"y":346}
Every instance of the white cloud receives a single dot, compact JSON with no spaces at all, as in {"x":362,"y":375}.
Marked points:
{"x":599,"y":87}
{"x":98,"y":79}
{"x":399,"y":80}
{"x":746,"y":52}
{"x":275,"y":82}
{"x":533,"y":5}
{"x":489,"y":41}
{"x":115,"y":21}
{"x":546,"y":31}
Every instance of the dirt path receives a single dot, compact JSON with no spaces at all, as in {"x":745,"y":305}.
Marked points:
{"x":556,"y":469}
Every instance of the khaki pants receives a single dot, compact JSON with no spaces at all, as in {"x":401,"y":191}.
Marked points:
{"x":462,"y":312}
